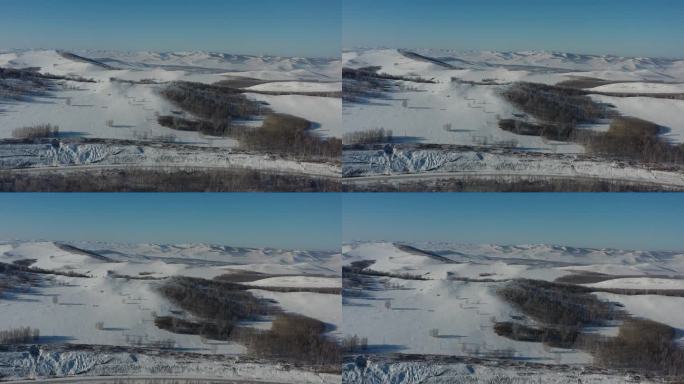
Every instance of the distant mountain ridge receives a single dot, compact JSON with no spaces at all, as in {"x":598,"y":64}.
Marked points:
{"x":668,"y":67}
{"x":315,"y":68}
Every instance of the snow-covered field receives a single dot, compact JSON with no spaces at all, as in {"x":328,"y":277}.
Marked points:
{"x":452,"y":308}
{"x":83,"y":109}
{"x":120,"y":289}
{"x":454,"y":112}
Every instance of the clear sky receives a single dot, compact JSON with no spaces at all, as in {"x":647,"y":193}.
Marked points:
{"x":301,"y":220}
{"x":629,"y":221}
{"x":280,"y":27}
{"x":622,"y":27}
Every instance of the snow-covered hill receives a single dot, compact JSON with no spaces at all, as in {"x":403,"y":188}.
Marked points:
{"x":665,"y":69}
{"x":83,"y":109}
{"x":441,"y":298}
{"x":530,"y":258}
{"x":83,"y":284}
{"x":463,"y":104}
{"x":281,"y":68}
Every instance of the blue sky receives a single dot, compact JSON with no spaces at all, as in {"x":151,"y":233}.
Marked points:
{"x":291,"y":27}
{"x":623,"y":27}
{"x":301,"y":220}
{"x":628,"y":221}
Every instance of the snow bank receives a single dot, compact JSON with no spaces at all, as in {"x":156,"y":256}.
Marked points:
{"x":42,"y":363}
{"x":297,"y":86}
{"x":374,"y":370}
{"x":445,"y":163}
{"x":641,"y":283}
{"x":298,"y":281}
{"x":76,"y":154}
{"x":641,"y":87}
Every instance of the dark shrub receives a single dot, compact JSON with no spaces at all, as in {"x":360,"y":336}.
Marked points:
{"x":289,"y":134}
{"x":297,"y":338}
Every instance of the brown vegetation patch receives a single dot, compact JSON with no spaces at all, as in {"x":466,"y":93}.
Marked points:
{"x":294,"y":338}
{"x":637,"y":139}
{"x":291,"y":135}
{"x":642,"y":345}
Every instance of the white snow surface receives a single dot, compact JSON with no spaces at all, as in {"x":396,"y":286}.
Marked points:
{"x":133,"y":107}
{"x":640,"y":283}
{"x":641,"y":87}
{"x":48,"y":364}
{"x":374,"y":370}
{"x":298,"y":281}
{"x":298,"y":86}
{"x":17,"y":155}
{"x":398,"y":314}
{"x":67,"y":308}
{"x":396,"y":161}
{"x":455,"y":113}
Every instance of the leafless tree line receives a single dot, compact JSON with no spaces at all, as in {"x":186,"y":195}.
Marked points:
{"x":165,"y":180}
{"x":369,"y":136}
{"x":36,"y":131}
{"x":19,"y":335}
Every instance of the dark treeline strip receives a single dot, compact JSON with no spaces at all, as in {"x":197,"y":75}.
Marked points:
{"x":21,"y":85}
{"x":372,"y":72}
{"x":559,"y":106}
{"x":363,"y":84}
{"x":211,"y":102}
{"x":221,"y":305}
{"x":164,"y":180}
{"x":507,"y":184}
{"x":428,"y":59}
{"x":362,"y":269}
{"x":360,"y":86}
{"x":36,"y":132}
{"x":573,"y":305}
{"x":21,"y":335}
{"x":18,"y":268}
{"x":33,"y":74}
{"x":369,"y":136}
